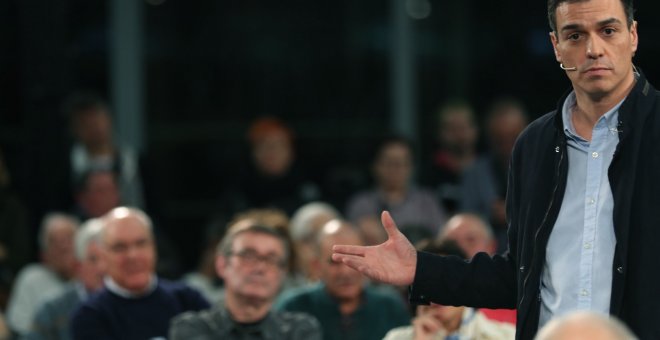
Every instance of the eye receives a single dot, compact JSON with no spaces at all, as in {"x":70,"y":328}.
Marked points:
{"x":609,"y":31}
{"x":573,"y":36}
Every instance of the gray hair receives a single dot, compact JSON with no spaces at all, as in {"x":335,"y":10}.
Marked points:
{"x":89,"y":232}
{"x":301,"y":225}
{"x":585,"y":320}
{"x":124,"y":212}
{"x":49,"y":222}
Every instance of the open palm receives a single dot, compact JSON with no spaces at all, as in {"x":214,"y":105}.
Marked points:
{"x":392,"y":261}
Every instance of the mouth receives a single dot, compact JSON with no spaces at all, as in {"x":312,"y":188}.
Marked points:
{"x":597,"y":71}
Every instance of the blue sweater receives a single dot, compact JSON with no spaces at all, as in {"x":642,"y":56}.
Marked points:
{"x":107,"y":315}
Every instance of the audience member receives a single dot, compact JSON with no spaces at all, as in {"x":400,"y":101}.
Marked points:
{"x":204,"y":277}
{"x":95,"y":149}
{"x":135,"y":303}
{"x":584,"y":325}
{"x":273,"y":178}
{"x":15,"y":236}
{"x":305,"y":225}
{"x":416,"y":209}
{"x":456,"y":137}
{"x":53,"y":317}
{"x":345,"y":306}
{"x":450,"y":322}
{"x":40,"y":281}
{"x":484,"y":183}
{"x":97,"y":192}
{"x":252,"y":261}
{"x":473,"y":235}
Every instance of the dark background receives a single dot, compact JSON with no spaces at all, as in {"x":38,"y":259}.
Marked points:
{"x":323,"y":66}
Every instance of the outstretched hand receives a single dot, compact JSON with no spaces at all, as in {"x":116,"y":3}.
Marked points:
{"x":393,"y":261}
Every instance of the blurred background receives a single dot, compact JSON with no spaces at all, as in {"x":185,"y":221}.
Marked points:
{"x":185,"y":79}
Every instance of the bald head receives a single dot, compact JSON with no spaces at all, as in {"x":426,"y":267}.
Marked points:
{"x":471,"y":233}
{"x":338,"y":231}
{"x":585,"y":326}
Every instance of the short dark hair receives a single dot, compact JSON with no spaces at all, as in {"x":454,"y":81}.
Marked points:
{"x":553,"y":4}
{"x":80,"y":102}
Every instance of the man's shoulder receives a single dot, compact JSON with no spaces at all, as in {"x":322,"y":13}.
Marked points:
{"x":36,"y":273}
{"x":299,"y":296}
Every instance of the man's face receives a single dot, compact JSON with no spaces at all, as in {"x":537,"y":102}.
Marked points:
{"x":256,"y":267}
{"x":59,"y":254}
{"x":468,"y":232}
{"x":101,"y":194}
{"x":93,"y":128}
{"x":90,"y":271}
{"x":129,"y":255}
{"x":394,"y":166}
{"x":594,"y":36}
{"x":457,"y":132}
{"x":341,"y":281}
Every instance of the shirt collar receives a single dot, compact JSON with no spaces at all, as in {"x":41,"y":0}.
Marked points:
{"x":114,"y":287}
{"x":610,"y":117}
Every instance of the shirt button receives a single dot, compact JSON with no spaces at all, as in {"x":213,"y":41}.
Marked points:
{"x":584,"y":292}
{"x":522,"y":269}
{"x":594,"y":154}
{"x":620,"y":270}
{"x":592,"y":201}
{"x":587,"y":246}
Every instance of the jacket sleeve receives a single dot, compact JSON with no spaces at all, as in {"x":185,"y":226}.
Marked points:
{"x":483,"y":281}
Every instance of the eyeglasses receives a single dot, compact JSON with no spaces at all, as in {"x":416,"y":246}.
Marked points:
{"x":250,"y":257}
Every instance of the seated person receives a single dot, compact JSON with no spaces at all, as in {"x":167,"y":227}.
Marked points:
{"x":134,"y":304}
{"x":345,"y":306}
{"x":449,"y":322}
{"x":53,"y":317}
{"x":252,"y":261}
{"x":40,"y":281}
{"x":585,"y":325}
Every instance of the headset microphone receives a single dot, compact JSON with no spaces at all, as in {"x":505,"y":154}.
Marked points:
{"x":567,"y":68}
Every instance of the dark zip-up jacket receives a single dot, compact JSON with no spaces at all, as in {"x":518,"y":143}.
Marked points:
{"x":537,"y":182}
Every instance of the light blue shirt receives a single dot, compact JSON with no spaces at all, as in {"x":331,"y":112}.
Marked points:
{"x":577,"y":274}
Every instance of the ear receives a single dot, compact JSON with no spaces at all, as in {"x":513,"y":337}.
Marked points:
{"x":555,"y":42}
{"x":220,"y":265}
{"x":633,"y":37}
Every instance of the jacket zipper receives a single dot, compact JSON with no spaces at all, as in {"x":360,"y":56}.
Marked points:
{"x":545,"y":217}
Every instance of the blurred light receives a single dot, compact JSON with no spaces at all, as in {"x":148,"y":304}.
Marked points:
{"x":418,"y":9}
{"x":155,"y":2}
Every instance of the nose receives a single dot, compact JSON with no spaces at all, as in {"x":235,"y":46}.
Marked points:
{"x":594,"y":48}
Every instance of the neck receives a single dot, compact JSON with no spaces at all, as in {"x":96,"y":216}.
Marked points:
{"x":590,"y":107}
{"x":247,"y":310}
{"x":348,"y":306}
{"x":102,"y":149}
{"x":394,"y":195}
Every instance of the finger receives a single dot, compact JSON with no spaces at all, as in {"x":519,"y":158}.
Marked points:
{"x":353,"y":261}
{"x":349,"y":250}
{"x":388,"y":223}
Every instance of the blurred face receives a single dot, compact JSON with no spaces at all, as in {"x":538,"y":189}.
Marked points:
{"x":394,"y":166}
{"x":457,"y":132}
{"x":256,"y":267}
{"x":100,"y":195}
{"x":273,"y":153}
{"x":59,"y":253}
{"x":90,"y":270}
{"x":469,"y":234}
{"x":449,"y":316}
{"x":594,"y":37}
{"x":341,"y":281}
{"x":129,"y":256}
{"x":504,"y":130}
{"x":93,"y":128}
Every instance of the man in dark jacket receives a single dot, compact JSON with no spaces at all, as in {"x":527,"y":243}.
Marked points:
{"x":581,"y":200}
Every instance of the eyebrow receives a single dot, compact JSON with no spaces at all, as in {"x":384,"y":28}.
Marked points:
{"x":600,"y":24}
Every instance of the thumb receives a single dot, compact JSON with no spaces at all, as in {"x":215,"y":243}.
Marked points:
{"x":388,"y":223}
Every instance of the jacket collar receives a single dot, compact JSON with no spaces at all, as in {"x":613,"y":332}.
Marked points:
{"x":627,"y":118}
